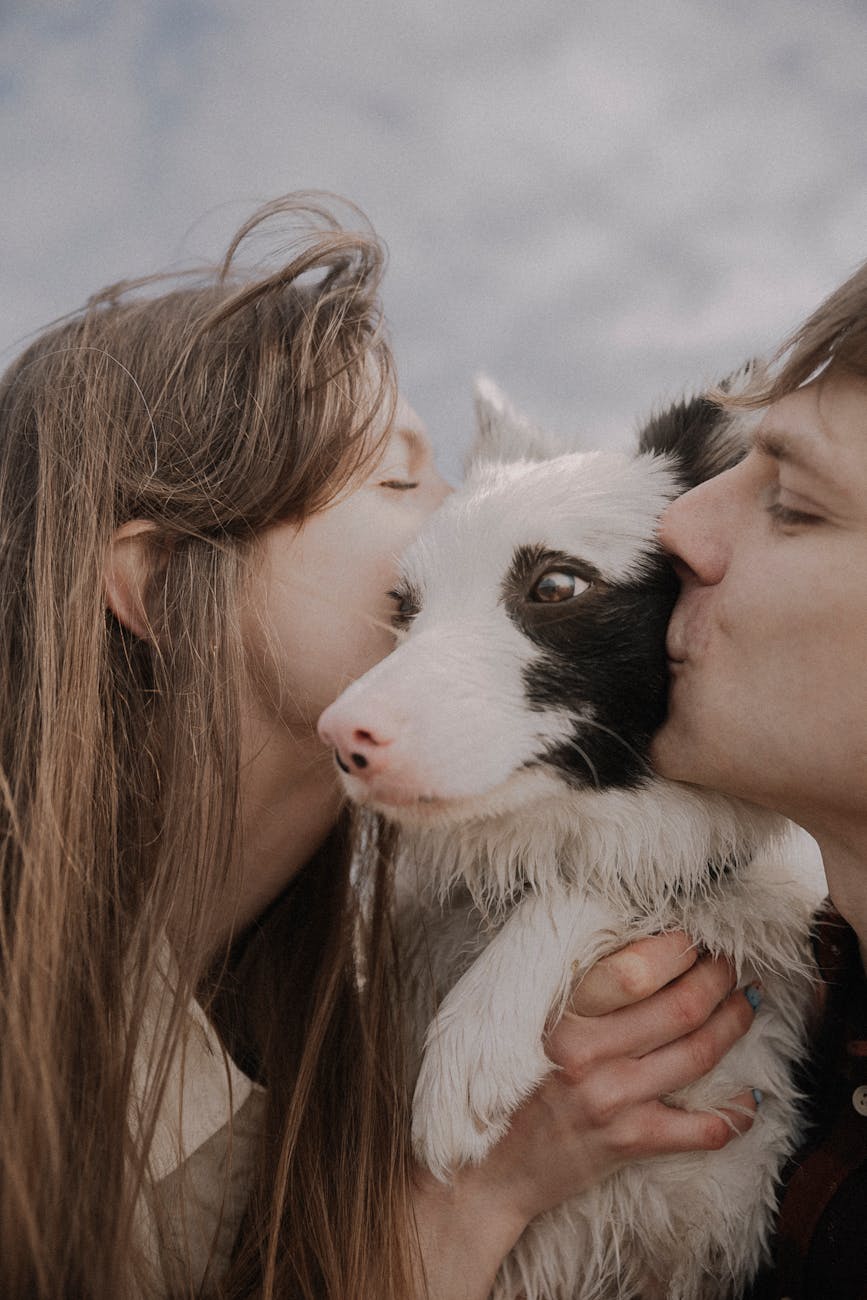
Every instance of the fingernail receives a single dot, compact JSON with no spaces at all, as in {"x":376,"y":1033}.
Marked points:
{"x":753,"y":995}
{"x":758,"y":1096}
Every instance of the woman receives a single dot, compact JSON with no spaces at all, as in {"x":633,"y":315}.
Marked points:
{"x":202,"y":493}
{"x":768,"y":701}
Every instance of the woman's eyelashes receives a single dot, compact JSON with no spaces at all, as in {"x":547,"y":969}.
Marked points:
{"x":399,"y":485}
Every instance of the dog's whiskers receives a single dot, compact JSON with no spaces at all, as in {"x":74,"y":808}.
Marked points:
{"x":599,"y":726}
{"x":573,"y":744}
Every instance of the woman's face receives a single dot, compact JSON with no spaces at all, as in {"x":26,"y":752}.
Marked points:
{"x":768,"y":640}
{"x":323,"y":614}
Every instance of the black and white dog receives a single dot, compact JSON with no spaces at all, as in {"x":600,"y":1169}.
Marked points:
{"x":507,"y":735}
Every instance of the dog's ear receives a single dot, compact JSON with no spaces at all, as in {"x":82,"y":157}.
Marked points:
{"x":502,"y":434}
{"x":700,"y":436}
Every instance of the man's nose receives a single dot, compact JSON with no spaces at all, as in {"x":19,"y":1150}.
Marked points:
{"x":696,"y":531}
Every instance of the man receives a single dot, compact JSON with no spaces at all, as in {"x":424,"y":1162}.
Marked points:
{"x":768,"y":701}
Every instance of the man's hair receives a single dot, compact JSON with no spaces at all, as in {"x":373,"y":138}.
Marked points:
{"x":834,"y":335}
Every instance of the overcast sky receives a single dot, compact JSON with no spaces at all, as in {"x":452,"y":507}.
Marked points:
{"x":599,"y":203}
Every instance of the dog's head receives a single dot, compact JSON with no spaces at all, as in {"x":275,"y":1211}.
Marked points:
{"x":531,"y":613}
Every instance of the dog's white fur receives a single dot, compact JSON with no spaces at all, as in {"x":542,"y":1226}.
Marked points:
{"x":512,"y":884}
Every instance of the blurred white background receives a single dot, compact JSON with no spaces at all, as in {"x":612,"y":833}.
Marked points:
{"x":601,"y":203}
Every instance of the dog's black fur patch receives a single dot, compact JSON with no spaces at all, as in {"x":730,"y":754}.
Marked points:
{"x":701,"y":439}
{"x":602,"y":652}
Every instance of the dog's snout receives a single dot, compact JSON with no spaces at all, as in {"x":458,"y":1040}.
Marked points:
{"x":363,"y":747}
{"x":361,"y":737}
{"x":358,"y":750}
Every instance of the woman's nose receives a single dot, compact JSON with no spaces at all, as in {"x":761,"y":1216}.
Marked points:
{"x":443,"y":488}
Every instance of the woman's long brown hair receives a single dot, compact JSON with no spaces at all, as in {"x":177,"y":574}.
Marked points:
{"x":214,"y":410}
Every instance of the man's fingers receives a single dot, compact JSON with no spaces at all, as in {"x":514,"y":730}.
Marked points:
{"x":578,"y":1043}
{"x":633,"y":973}
{"x":615,"y":1086}
{"x":696,"y":1054}
{"x":657,"y":1129}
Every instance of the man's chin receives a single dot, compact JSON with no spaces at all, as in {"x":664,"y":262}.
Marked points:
{"x":669,"y":752}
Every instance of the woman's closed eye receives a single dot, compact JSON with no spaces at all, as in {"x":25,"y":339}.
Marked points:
{"x":399,"y":485}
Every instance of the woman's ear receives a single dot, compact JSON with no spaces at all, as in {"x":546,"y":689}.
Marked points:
{"x":131,"y":564}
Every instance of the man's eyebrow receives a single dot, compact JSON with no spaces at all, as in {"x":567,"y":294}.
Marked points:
{"x":781,"y":445}
{"x":771,"y":443}
{"x":803,"y":451}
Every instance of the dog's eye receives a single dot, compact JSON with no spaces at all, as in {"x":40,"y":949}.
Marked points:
{"x":557,"y":584}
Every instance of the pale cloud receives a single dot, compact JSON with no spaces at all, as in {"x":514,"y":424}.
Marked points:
{"x":598,"y":203}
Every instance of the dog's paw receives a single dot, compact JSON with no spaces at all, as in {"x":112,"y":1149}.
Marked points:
{"x":443,"y":1143}
{"x":447,"y":1129}
{"x":466,"y":1093}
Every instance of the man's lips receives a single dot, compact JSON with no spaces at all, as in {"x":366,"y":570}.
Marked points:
{"x":696,"y":619}
{"x":676,"y":637}
{"x":675,"y":651}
